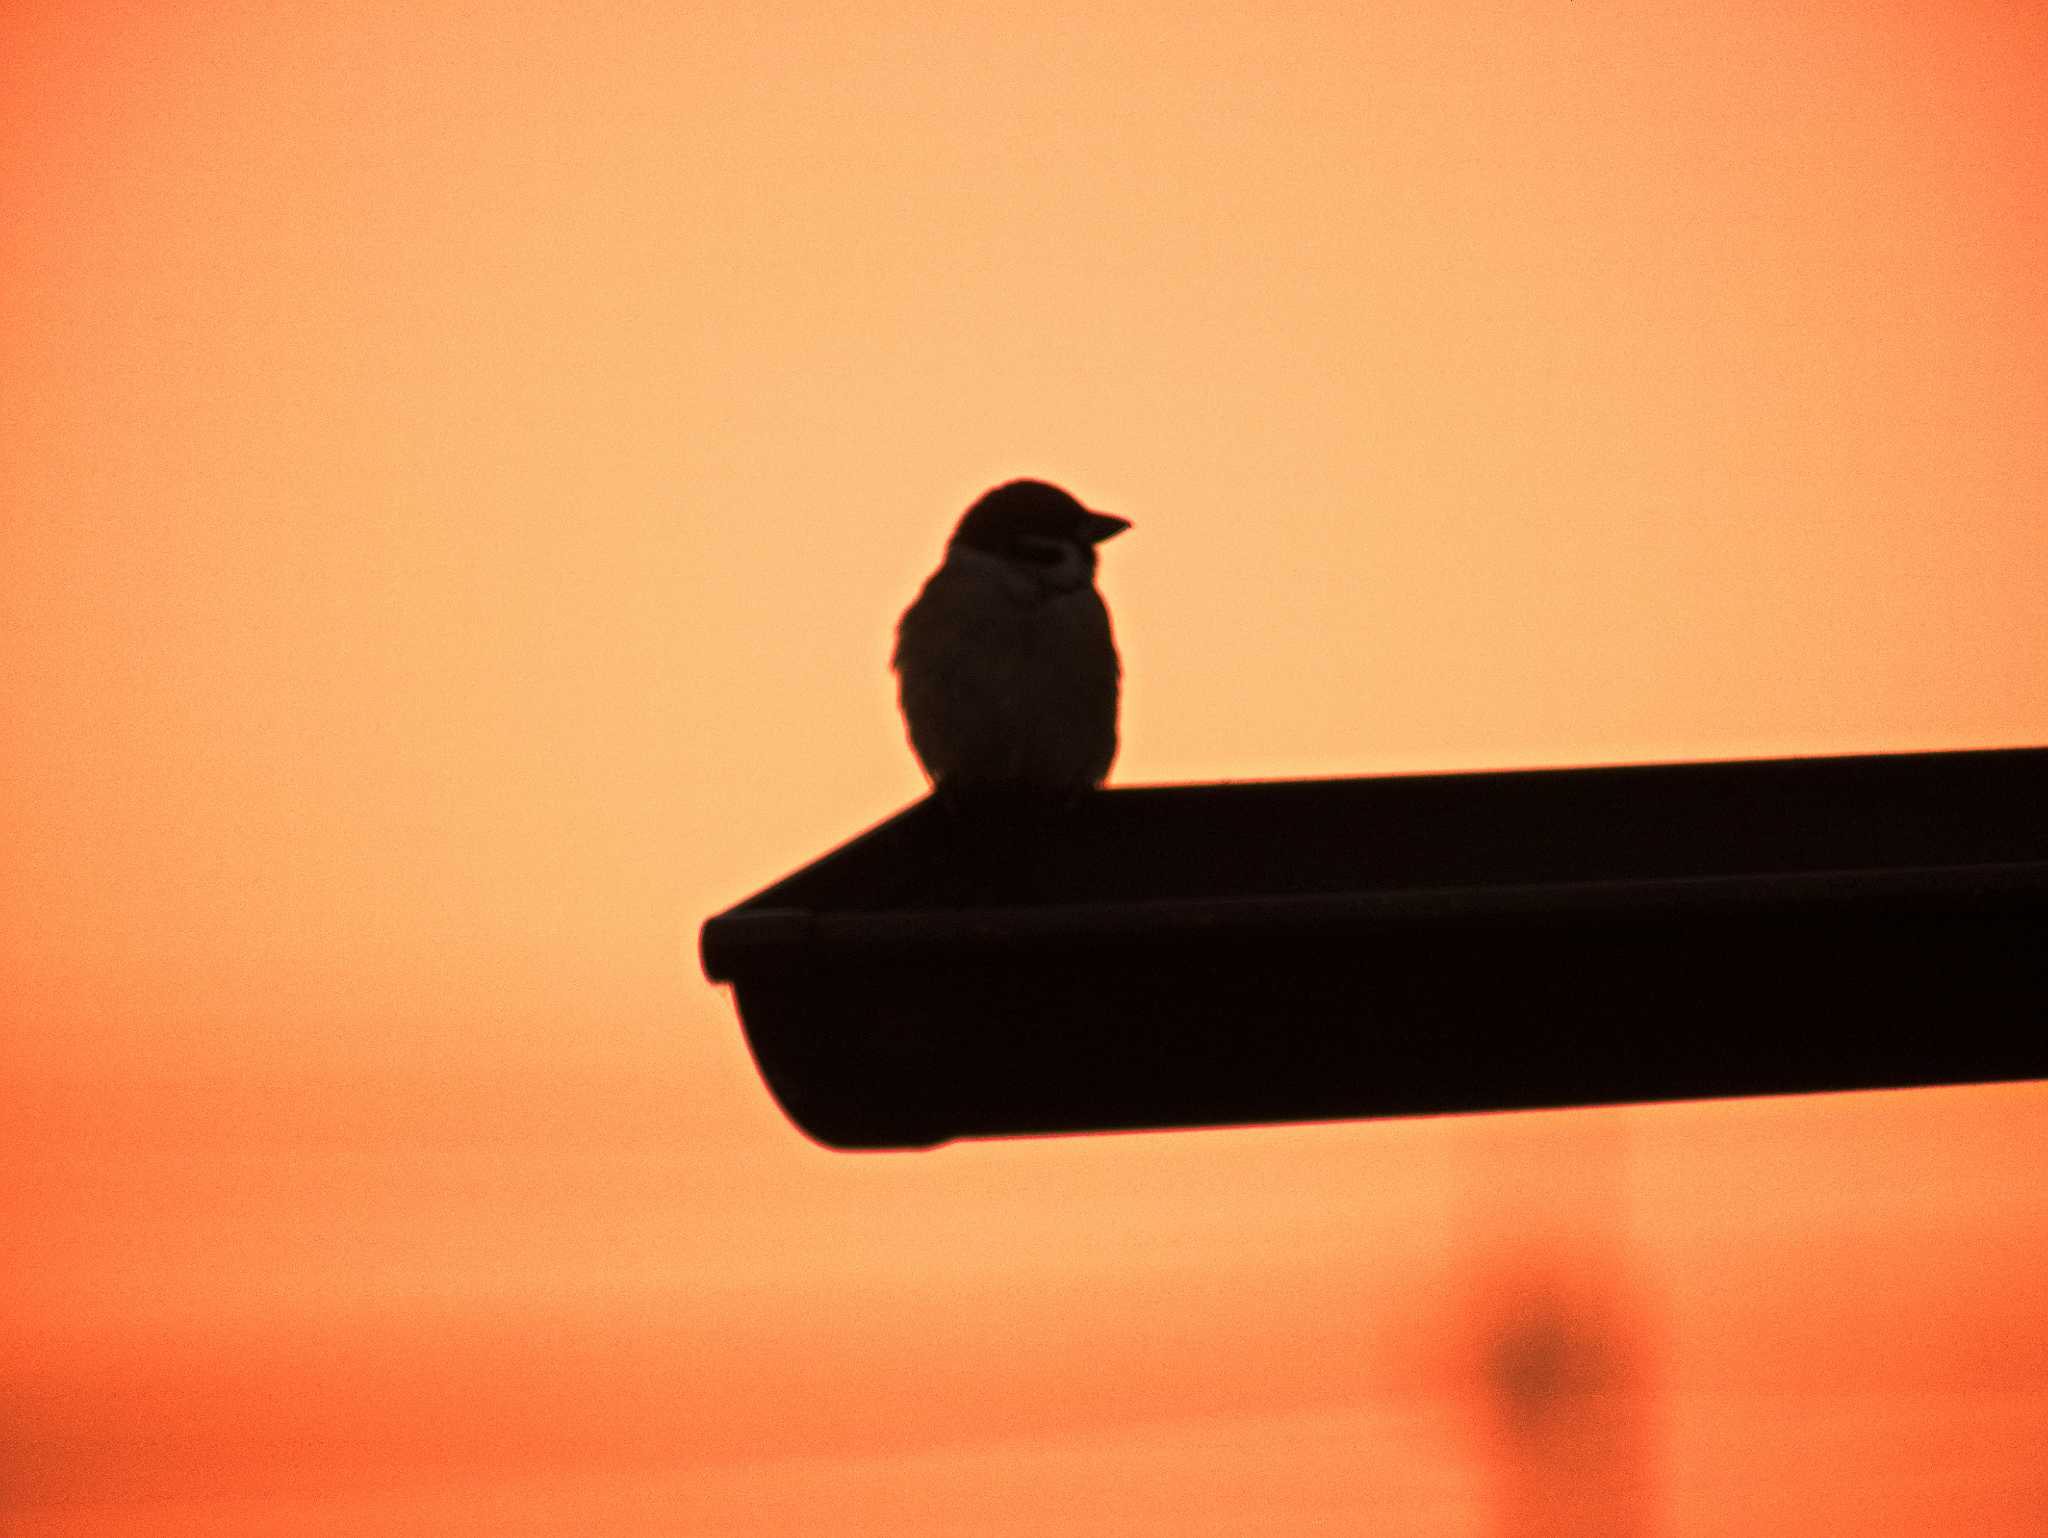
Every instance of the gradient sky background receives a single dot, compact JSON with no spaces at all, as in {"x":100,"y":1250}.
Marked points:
{"x":458,"y":473}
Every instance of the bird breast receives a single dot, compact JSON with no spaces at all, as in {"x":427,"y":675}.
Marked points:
{"x":1004,"y":679}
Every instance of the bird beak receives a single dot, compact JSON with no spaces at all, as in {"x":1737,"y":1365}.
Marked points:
{"x":1101,"y":526}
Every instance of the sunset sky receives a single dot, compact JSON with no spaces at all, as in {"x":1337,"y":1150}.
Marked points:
{"x":459,"y":470}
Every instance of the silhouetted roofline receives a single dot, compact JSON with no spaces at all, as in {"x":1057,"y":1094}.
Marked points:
{"x":1203,"y":955}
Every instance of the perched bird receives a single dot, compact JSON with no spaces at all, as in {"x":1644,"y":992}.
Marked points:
{"x":1005,"y":664}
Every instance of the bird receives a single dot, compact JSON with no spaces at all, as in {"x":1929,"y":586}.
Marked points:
{"x":1007,"y":669}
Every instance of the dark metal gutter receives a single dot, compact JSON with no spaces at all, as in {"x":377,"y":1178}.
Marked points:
{"x":1306,"y":950}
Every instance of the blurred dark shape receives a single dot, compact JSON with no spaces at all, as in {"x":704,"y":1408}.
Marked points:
{"x":1563,"y":1377}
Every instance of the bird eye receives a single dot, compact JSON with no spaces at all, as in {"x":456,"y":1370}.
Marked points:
{"x":1040,"y":551}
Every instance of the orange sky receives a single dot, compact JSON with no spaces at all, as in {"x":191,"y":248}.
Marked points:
{"x":458,"y":472}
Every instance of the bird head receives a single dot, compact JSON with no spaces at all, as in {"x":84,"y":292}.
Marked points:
{"x":1036,"y":525}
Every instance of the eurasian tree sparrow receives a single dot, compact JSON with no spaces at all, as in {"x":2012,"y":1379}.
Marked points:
{"x":1006,"y":667}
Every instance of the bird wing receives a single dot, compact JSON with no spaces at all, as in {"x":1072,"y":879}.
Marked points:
{"x":955,"y":656}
